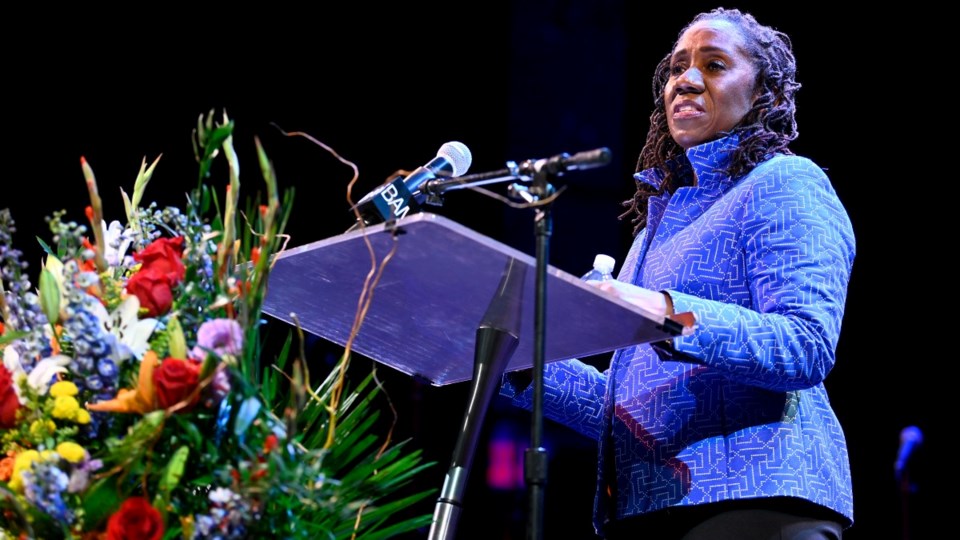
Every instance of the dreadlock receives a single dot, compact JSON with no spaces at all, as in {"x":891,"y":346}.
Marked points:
{"x":767,"y":128}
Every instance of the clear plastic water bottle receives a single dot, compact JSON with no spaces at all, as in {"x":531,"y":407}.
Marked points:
{"x":602,"y":269}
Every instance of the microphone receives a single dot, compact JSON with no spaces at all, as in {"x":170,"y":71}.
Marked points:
{"x":556,"y":165}
{"x":581,"y":161}
{"x":401,"y":195}
{"x":910,"y":439}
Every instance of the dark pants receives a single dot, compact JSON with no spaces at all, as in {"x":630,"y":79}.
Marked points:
{"x":760,"y":519}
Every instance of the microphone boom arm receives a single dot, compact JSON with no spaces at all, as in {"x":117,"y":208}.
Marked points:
{"x":525,"y":172}
{"x":435,"y":188}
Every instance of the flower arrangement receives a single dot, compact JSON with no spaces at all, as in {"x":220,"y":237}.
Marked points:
{"x":134,"y":399}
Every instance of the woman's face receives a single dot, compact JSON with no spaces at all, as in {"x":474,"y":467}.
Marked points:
{"x":711,"y":85}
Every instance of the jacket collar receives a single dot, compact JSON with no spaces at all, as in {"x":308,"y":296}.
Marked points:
{"x":707,"y":160}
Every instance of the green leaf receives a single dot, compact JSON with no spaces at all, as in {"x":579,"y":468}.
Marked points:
{"x":128,"y":209}
{"x":10,"y":336}
{"x":49,"y":296}
{"x":143,"y":178}
{"x":175,"y":532}
{"x":177,"y":343}
{"x":211,"y":145}
{"x":190,"y":431}
{"x":46,"y":247}
{"x":380,"y":514}
{"x":271,"y":374}
{"x":174,"y":470}
{"x":207,"y":367}
{"x":137,"y":442}
{"x":102,"y":499}
{"x":353,"y":449}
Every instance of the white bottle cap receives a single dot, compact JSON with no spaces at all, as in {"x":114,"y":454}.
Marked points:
{"x":604,"y":263}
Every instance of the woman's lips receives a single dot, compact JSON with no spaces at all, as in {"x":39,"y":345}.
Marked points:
{"x":686,"y":110}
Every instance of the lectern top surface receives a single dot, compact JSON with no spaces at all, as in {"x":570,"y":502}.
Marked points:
{"x":435,"y":292}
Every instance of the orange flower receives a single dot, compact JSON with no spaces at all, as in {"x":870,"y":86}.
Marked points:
{"x":141,"y":400}
{"x":270,"y":443}
{"x":6,"y":469}
{"x":89,"y":265}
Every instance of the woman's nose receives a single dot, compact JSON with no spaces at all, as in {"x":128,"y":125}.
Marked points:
{"x":690,"y":81}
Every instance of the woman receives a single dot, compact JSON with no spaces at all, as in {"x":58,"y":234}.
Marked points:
{"x":728,"y":432}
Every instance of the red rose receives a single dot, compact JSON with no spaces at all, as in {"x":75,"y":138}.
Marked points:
{"x":174,"y":380}
{"x":9,"y":402}
{"x":136,"y":519}
{"x":164,"y":256}
{"x":153,"y":289}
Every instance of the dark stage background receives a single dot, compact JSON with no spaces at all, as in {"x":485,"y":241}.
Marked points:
{"x":386,"y":85}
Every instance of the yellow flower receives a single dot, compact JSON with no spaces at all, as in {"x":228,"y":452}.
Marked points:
{"x":83,"y":417}
{"x":66,"y":407}
{"x":42,"y":428}
{"x":71,"y":451}
{"x":21,"y":463}
{"x":64,"y":388}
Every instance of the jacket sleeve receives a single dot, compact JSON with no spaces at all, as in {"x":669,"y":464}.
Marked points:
{"x":573,"y":395}
{"x":798,"y":246}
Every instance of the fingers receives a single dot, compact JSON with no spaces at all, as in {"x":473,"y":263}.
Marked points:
{"x":652,"y":301}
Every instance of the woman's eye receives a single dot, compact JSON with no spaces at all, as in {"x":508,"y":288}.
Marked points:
{"x":716,"y":65}
{"x":677,"y":69}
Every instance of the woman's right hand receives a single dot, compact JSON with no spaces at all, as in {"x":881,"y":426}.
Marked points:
{"x":652,"y":301}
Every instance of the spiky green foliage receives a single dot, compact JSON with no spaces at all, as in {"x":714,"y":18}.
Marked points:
{"x":249,"y":447}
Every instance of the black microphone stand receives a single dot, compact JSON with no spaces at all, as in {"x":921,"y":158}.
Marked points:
{"x":535,"y":458}
{"x":496,"y":340}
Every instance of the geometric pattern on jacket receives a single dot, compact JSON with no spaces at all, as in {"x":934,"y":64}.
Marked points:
{"x":737,"y":409}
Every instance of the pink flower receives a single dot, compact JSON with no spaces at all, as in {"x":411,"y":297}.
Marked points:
{"x":219,"y":336}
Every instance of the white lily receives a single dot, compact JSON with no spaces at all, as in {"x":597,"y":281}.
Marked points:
{"x":132,"y":333}
{"x":116,"y":240}
{"x":11,"y":361}
{"x":42,"y":374}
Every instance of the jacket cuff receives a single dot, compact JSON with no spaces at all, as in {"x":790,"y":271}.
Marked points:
{"x":673,"y":349}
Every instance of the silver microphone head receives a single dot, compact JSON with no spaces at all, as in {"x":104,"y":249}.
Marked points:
{"x":458,"y":155}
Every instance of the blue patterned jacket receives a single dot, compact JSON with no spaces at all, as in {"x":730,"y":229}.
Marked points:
{"x":738,"y":409}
